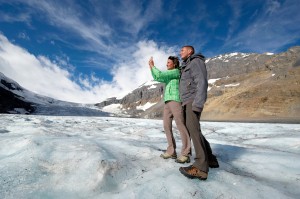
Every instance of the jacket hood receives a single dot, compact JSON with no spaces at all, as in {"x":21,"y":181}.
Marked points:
{"x":184,"y":63}
{"x":199,"y":55}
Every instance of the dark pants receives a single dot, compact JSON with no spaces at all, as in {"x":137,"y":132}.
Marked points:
{"x":201,"y":145}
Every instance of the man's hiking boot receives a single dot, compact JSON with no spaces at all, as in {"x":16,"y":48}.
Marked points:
{"x":193,"y":172}
{"x":183,"y":159}
{"x":167,"y":156}
{"x":213,"y":162}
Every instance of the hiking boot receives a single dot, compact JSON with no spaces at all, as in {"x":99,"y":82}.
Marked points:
{"x":213,"y":162}
{"x":183,"y":159}
{"x":193,"y":172}
{"x":167,"y":156}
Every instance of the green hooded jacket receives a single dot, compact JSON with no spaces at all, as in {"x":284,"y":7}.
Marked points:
{"x":171,"y":79}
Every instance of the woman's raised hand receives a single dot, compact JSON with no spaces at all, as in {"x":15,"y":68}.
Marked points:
{"x":151,"y":62}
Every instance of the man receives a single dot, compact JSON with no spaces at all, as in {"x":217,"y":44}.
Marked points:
{"x":193,"y":93}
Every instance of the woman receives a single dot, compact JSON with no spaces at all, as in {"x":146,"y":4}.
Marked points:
{"x":172,"y":109}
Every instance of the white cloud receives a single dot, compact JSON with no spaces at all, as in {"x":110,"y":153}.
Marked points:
{"x":24,"y":36}
{"x":273,"y":27}
{"x":99,"y":28}
{"x":131,"y":74}
{"x":272,"y":6}
{"x":234,"y":20}
{"x":135,"y":17}
{"x":68,"y":17}
{"x":46,"y":77}
{"x":94,"y":30}
{"x":37,"y":74}
{"x":22,"y":17}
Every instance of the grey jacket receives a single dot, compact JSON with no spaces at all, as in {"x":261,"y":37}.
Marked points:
{"x":193,"y":82}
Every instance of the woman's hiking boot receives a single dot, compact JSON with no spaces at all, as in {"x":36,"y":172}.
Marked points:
{"x":167,"y":156}
{"x":183,"y":159}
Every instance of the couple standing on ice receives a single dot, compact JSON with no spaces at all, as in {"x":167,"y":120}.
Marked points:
{"x":185,"y":94}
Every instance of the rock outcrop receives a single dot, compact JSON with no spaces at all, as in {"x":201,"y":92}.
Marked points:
{"x":13,"y":103}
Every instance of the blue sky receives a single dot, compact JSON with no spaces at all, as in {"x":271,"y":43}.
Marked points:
{"x":86,"y":51}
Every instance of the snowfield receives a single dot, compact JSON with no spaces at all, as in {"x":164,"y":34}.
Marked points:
{"x":107,"y":157}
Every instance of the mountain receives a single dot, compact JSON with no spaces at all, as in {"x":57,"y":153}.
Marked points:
{"x":16,"y":99}
{"x":242,"y":87}
{"x":11,"y":101}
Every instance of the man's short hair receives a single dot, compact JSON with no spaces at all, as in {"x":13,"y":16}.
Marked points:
{"x":190,"y":47}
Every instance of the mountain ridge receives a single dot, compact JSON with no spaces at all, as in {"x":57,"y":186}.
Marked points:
{"x":248,"y":87}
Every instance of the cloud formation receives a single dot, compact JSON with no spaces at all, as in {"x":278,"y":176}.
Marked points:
{"x":271,"y":28}
{"x":89,"y":51}
{"x":41,"y":75}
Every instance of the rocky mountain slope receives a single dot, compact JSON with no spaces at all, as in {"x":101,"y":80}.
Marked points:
{"x":268,"y":89}
{"x":242,"y":87}
{"x":10,"y":102}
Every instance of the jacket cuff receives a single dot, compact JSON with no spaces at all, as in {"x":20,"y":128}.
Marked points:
{"x":196,"y":109}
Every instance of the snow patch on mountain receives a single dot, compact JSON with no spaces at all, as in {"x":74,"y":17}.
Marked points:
{"x":226,"y":57}
{"x":150,"y":84}
{"x":145,"y":106}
